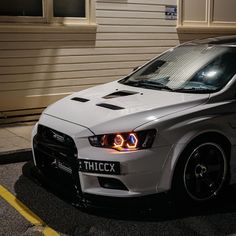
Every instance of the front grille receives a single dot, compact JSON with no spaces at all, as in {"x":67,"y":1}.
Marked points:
{"x":55,"y":152}
{"x":54,"y":149}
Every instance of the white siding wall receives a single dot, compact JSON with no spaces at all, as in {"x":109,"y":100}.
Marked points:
{"x":36,"y":69}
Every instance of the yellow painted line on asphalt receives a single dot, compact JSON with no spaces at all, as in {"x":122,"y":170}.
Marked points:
{"x":26,"y":212}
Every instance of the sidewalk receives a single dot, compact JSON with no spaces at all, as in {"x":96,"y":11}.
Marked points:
{"x":15,"y":143}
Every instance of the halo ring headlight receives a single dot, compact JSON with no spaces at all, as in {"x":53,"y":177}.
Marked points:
{"x":129,"y":141}
{"x":118,"y":141}
{"x":132,"y":141}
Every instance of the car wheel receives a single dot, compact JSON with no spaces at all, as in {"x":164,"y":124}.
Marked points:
{"x":201,"y":172}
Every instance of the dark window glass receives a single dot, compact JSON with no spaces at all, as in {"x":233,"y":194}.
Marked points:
{"x":69,"y":8}
{"x":21,"y":8}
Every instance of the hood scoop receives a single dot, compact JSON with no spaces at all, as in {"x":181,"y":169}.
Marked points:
{"x":121,"y":93}
{"x":80,"y":99}
{"x":110,"y":106}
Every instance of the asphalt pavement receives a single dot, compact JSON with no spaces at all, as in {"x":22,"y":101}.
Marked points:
{"x":56,"y":210}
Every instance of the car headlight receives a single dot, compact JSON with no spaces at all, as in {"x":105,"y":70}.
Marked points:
{"x":124,"y":141}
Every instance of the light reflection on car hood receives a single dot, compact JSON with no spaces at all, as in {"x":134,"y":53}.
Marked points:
{"x":134,"y":110}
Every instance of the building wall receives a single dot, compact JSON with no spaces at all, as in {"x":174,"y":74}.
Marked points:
{"x":38,"y":68}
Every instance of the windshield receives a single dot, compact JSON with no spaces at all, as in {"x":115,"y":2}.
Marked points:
{"x":188,"y":68}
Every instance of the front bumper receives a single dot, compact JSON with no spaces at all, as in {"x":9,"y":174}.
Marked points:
{"x":140,"y":170}
{"x":60,"y":184}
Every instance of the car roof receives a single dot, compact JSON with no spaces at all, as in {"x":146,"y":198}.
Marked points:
{"x":223,"y":40}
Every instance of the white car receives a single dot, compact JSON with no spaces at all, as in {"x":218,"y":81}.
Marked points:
{"x":169,"y":125}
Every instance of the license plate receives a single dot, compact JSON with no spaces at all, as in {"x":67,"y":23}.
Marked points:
{"x":101,"y":167}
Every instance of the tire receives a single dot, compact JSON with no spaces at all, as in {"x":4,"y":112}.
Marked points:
{"x":201,"y":172}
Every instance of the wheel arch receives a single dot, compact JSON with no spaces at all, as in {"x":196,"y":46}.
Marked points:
{"x":216,"y":136}
{"x":178,"y":149}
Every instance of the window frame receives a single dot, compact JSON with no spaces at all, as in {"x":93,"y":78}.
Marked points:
{"x":207,"y":25}
{"x":48,"y":18}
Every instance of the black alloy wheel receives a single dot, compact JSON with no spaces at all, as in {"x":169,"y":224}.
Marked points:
{"x":205,"y":171}
{"x":201,"y":173}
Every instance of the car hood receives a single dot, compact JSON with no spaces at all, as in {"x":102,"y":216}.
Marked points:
{"x":115,"y":107}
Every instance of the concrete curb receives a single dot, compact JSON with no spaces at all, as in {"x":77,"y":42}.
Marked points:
{"x":21,"y":155}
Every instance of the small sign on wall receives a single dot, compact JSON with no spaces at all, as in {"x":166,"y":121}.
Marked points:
{"x":171,"y":13}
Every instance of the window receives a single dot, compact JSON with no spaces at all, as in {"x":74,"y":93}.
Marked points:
{"x":21,"y":8}
{"x":218,"y":72}
{"x":180,"y":70}
{"x":46,"y":11}
{"x":212,"y":15}
{"x":75,"y":8}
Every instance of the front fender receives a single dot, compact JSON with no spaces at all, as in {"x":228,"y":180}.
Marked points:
{"x":175,"y":154}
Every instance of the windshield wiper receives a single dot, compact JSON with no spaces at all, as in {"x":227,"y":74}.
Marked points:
{"x":148,"y":84}
{"x":194,"y":90}
{"x":157,"y":85}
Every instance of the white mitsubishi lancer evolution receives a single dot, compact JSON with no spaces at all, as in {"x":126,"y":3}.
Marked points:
{"x":169,"y":126}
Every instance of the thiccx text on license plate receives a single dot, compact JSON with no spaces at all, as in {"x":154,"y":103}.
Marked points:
{"x":102,"y":167}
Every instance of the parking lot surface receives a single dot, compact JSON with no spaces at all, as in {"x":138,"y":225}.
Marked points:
{"x":59,"y":214}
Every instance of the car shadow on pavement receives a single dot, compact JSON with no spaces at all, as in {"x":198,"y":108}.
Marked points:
{"x":55,"y":207}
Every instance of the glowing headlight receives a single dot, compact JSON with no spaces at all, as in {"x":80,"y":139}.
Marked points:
{"x":132,"y":141}
{"x":118,"y":141}
{"x":124,"y":141}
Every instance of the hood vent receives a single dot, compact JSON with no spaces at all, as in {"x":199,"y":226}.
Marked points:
{"x":119,"y":94}
{"x":110,"y":106}
{"x":80,"y":99}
